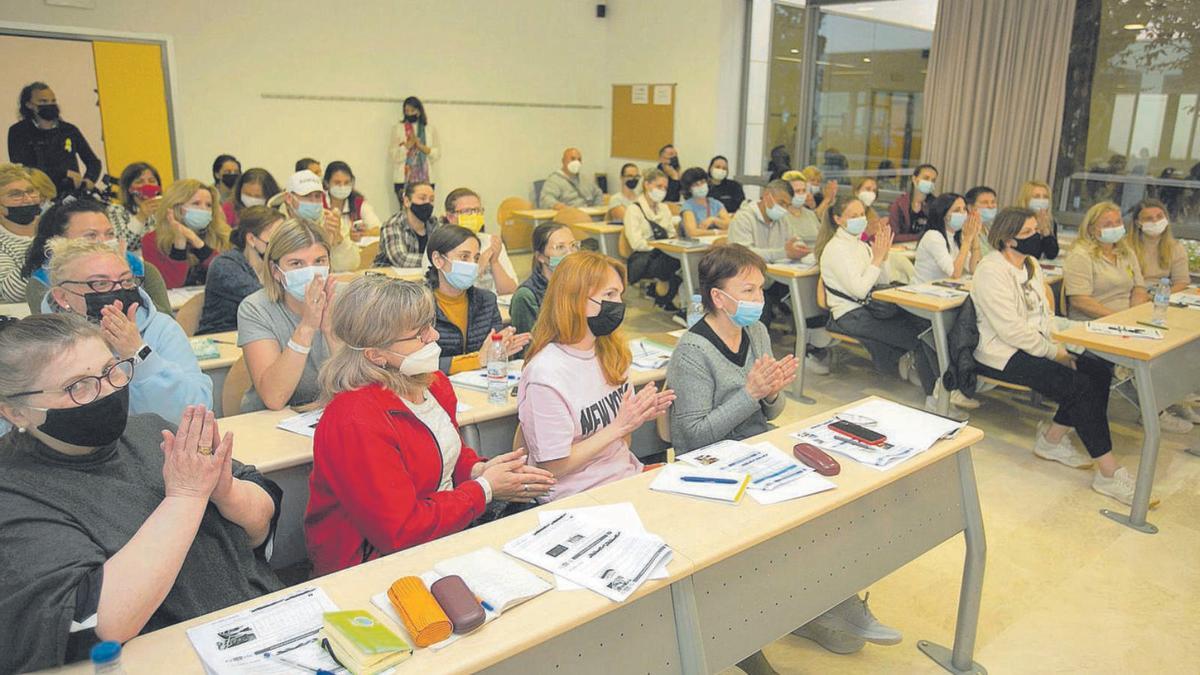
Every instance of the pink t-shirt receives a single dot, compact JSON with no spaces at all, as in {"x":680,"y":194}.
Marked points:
{"x":563,"y":399}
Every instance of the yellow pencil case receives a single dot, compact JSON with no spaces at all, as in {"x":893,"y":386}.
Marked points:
{"x":422,"y":615}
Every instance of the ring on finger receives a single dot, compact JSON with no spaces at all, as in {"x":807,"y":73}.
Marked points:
{"x":205,"y":450}
{"x":525,"y":488}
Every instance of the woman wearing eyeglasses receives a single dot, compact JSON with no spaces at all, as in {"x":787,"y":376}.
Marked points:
{"x":552,"y":242}
{"x":90,"y":279}
{"x":106,"y":529}
{"x":390,"y":470}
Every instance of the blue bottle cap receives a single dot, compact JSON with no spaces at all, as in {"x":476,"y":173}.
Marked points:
{"x":106,"y":652}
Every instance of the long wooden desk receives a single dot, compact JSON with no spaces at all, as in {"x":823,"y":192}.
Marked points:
{"x":801,"y":281}
{"x":17,"y":310}
{"x":606,"y":235}
{"x":687,"y":257}
{"x":218,"y":369}
{"x":790,"y":561}
{"x":1165,"y":371}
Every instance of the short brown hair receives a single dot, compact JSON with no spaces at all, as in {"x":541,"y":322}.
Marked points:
{"x":722,"y":263}
{"x":457,"y":194}
{"x":1007,"y":224}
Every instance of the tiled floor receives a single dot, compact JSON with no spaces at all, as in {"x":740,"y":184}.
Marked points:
{"x":1066,"y":590}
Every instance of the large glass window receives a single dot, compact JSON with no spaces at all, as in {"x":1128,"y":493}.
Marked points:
{"x":1131,"y":126}
{"x":786,"y":74}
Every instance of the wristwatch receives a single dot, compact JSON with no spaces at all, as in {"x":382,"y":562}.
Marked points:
{"x":142,"y":354}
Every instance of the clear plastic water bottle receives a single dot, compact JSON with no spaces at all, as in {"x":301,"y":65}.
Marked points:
{"x":106,"y":658}
{"x":695,"y":310}
{"x":1162,"y":298}
{"x":497,"y":372}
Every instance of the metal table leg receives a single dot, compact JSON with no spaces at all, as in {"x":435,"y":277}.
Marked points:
{"x":961,"y":658}
{"x":942,"y":346}
{"x":687,"y":627}
{"x":685,"y":268}
{"x":602,"y":242}
{"x":470,"y":434}
{"x":1148,"y":403}
{"x":801,"y":339}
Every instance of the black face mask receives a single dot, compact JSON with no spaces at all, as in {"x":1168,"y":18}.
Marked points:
{"x":631,"y":183}
{"x":412,"y":119}
{"x":1031,"y":245}
{"x":229,"y":179}
{"x":24,"y":215}
{"x":89,"y":426}
{"x":608,"y":320}
{"x":97,"y":301}
{"x":674,"y":162}
{"x":48,"y":111}
{"x":423,"y":212}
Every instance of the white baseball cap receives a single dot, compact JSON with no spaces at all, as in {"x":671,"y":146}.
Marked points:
{"x":303,"y":183}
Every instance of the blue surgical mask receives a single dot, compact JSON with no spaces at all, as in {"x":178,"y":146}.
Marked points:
{"x":776,"y":212}
{"x":856,"y":226}
{"x":297,"y":281}
{"x":1111,"y":235}
{"x":197,"y":219}
{"x":956,"y":221}
{"x":925,"y":186}
{"x":1039,"y":204}
{"x":554,"y":261}
{"x":462,"y":274}
{"x":987,"y":215}
{"x":798,"y":200}
{"x":747,"y":312}
{"x":700,"y":191}
{"x":310,"y":211}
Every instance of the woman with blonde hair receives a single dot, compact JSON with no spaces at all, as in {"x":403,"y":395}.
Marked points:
{"x":1102,"y":274}
{"x":283,"y":328}
{"x":1035,"y":196}
{"x":189,"y":227}
{"x":390,"y":470}
{"x":575,"y":402}
{"x":20,"y":208}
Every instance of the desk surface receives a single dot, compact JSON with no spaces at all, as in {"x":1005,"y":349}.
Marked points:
{"x":226,"y":344}
{"x":671,"y":245}
{"x":1183,"y":327}
{"x":599,"y":228}
{"x":18,"y":310}
{"x":536,"y":214}
{"x":792,"y":270}
{"x":899,"y":296}
{"x":404,"y":273}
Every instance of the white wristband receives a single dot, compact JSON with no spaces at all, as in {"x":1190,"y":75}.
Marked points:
{"x":298,"y":348}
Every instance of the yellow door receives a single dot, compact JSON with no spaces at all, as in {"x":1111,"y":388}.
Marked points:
{"x":133,"y":106}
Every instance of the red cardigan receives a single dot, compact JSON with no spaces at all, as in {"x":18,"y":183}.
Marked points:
{"x":373,"y":489}
{"x":174,"y":272}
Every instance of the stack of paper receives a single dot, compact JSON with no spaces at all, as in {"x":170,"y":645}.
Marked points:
{"x":649,"y":355}
{"x":775,"y":476}
{"x":477,"y":379}
{"x":702,"y":482}
{"x":935,"y":291}
{"x":909,"y":432}
{"x":304,"y":424}
{"x":607,"y":560}
{"x":1116,"y":330}
{"x":621,"y":516}
{"x":1191,"y":300}
{"x":204,"y":349}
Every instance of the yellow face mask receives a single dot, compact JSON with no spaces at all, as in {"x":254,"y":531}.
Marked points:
{"x":471,"y":221}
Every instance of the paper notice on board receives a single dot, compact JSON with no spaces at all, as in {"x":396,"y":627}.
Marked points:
{"x":662,"y":94}
{"x":640,"y":93}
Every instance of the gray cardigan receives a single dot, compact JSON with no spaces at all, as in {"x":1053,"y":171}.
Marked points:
{"x":711,"y":403}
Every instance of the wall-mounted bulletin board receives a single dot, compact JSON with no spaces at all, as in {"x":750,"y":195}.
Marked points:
{"x":643,"y":119}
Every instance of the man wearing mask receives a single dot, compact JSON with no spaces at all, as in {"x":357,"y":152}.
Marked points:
{"x":668,"y":163}
{"x":304,"y":198}
{"x":42,"y":140}
{"x":566,"y":187}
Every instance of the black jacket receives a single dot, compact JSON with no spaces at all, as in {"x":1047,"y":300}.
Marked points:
{"x":963,"y":338}
{"x":483,"y":315}
{"x":55,"y":151}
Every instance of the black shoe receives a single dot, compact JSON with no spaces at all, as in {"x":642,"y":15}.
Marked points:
{"x":667,"y":305}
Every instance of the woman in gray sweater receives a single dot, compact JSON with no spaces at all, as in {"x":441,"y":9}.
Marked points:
{"x":728,"y":385}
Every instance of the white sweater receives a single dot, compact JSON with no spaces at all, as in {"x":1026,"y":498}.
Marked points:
{"x":1012,"y":312}
{"x":846,"y":266}
{"x":935,"y":256}
{"x":637,"y":228}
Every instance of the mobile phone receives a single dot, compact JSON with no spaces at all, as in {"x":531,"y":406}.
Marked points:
{"x":956,"y":285}
{"x":858,"y":432}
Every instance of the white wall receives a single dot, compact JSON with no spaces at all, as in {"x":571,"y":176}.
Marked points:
{"x":529,"y":51}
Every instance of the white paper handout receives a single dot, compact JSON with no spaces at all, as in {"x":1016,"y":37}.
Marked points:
{"x":935,"y":291}
{"x":702,"y":482}
{"x":254,"y":640}
{"x":607,"y":560}
{"x":908,"y":432}
{"x":769,"y":468}
{"x":1117,"y":330}
{"x":304,"y":424}
{"x":1192,"y":300}
{"x":621,"y":516}
{"x":649,"y":355}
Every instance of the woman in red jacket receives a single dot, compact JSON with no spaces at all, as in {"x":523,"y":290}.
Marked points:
{"x":390,"y":470}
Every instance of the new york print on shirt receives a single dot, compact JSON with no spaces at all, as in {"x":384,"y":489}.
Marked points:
{"x":601,"y":413}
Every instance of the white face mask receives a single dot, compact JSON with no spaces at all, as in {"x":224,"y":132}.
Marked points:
{"x":1155,"y":228}
{"x":574,"y":166}
{"x":420,"y":362}
{"x":340,"y":191}
{"x":249,"y":201}
{"x":700,"y":191}
{"x":718,"y":174}
{"x":656,"y":195}
{"x":866,"y":197}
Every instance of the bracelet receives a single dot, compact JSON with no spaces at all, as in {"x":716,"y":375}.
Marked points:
{"x":298,"y":348}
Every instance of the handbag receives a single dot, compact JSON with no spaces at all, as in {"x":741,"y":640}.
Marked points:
{"x":876,"y":308}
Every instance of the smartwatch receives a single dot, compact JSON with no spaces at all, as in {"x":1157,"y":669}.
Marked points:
{"x":142,"y":354}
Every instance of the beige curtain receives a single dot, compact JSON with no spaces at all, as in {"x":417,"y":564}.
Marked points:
{"x":994,"y":92}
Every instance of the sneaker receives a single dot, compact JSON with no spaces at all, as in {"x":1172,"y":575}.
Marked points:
{"x":1063,"y":452}
{"x":906,"y":365}
{"x":854,"y":616}
{"x":962,"y":400}
{"x":982,"y":387}
{"x":1173,"y":424}
{"x":757,"y":664}
{"x":680,"y":318}
{"x":1186,"y":411}
{"x":816,"y":365}
{"x":957,"y":414}
{"x":1120,"y":486}
{"x":833,"y":640}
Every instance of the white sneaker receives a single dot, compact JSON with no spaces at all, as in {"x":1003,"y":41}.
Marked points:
{"x":816,"y":365}
{"x":982,"y":386}
{"x":956,"y":413}
{"x":906,"y":365}
{"x":854,"y":617}
{"x":1063,"y":452}
{"x":962,"y":400}
{"x":1173,"y":424}
{"x":836,"y":641}
{"x":1186,"y":411}
{"x":1120,"y":486}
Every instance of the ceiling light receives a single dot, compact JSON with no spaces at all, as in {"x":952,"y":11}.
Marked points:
{"x":794,"y":51}
{"x":866,"y":59}
{"x":1134,"y":26}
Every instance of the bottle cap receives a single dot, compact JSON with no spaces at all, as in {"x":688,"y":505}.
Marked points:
{"x":106,"y":652}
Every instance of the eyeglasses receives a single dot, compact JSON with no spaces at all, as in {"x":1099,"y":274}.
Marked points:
{"x":421,"y":334}
{"x":87,"y":388}
{"x":560,"y":249}
{"x":469,"y":212}
{"x":31,"y":193}
{"x":106,"y":285}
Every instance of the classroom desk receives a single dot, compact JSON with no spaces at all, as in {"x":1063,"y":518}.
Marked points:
{"x":801,"y":281}
{"x":402,"y":273}
{"x":18,"y":310}
{"x":607,"y":235}
{"x":688,"y":257}
{"x":218,"y":369}
{"x":538,"y":216}
{"x":1165,"y":371}
{"x":178,"y":297}
{"x":794,"y":560}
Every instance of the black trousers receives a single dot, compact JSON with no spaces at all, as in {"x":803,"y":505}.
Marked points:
{"x":889,"y":339}
{"x":1081,"y":393}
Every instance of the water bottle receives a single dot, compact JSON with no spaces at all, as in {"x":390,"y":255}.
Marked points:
{"x":106,"y":658}
{"x":1162,"y":298}
{"x":497,"y":372}
{"x":695,"y":310}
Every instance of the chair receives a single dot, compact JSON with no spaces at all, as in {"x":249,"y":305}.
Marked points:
{"x":188,"y":316}
{"x":1062,"y":297}
{"x":674,"y":208}
{"x":823,"y":303}
{"x":515,"y":231}
{"x":518,"y":438}
{"x":623,"y":247}
{"x":537,"y":190}
{"x":572,"y":216}
{"x":367,"y":254}
{"x":662,"y":424}
{"x":237,"y":383}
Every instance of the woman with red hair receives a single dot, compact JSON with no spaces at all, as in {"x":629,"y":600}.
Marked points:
{"x":575,"y":402}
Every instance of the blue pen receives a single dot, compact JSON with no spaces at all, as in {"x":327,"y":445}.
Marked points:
{"x":706,"y":479}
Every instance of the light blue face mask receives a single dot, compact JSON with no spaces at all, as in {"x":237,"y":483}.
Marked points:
{"x":1039,"y":204}
{"x":310,"y":211}
{"x":776,"y":212}
{"x":462,"y":274}
{"x":856,"y":226}
{"x":987,"y":215}
{"x":1111,"y":235}
{"x":925,"y":186}
{"x":554,"y":261}
{"x":956,"y":221}
{"x":297,"y":281}
{"x":747,"y":312}
{"x":798,"y":200}
{"x":197,"y":219}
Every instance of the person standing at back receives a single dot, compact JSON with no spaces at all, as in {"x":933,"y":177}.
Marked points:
{"x":566,"y":187}
{"x":668,"y":163}
{"x":43,"y":140}
{"x":414,"y":149}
